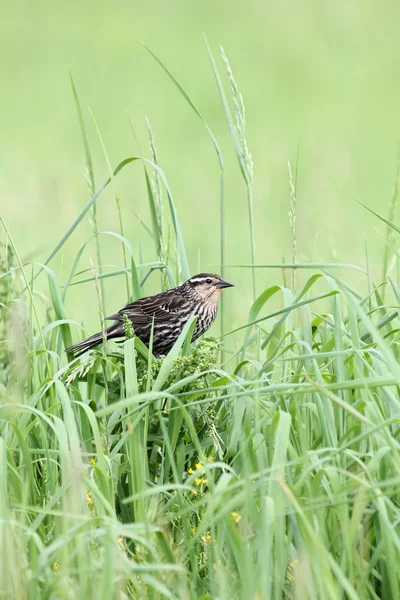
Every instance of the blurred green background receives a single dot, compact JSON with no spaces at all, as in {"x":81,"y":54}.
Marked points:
{"x":324,"y":74}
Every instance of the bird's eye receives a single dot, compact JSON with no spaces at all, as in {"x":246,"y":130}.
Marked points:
{"x":208,"y":280}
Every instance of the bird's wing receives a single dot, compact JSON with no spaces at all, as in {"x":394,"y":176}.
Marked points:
{"x":162,"y":306}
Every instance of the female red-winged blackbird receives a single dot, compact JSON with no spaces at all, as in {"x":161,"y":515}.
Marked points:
{"x":169,"y":310}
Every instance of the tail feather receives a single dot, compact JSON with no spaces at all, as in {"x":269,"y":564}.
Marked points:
{"x":80,"y":348}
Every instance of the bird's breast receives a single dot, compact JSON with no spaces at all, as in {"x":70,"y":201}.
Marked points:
{"x":205,"y":313}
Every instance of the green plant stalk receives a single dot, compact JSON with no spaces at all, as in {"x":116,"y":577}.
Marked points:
{"x":222,"y":254}
{"x":240,"y":145}
{"x":252,"y":236}
{"x":90,"y":179}
{"x":117,"y":202}
{"x":28,"y":287}
{"x":121,"y":228}
{"x":292,"y":220}
{"x":391,"y":217}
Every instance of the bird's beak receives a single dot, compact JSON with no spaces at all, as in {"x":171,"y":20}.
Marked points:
{"x":223,"y":284}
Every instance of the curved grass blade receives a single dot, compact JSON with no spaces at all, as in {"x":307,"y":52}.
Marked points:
{"x":191,"y":104}
{"x":133,"y":269}
{"x":172,"y":354}
{"x":389,"y":223}
{"x":255,"y":309}
{"x":85,"y":209}
{"x":285,"y":311}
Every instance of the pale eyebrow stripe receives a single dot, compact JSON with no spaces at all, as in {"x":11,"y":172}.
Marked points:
{"x":203,"y":279}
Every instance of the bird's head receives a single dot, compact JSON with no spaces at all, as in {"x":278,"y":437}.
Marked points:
{"x":207,"y":286}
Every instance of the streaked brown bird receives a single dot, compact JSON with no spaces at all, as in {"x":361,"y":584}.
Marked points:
{"x":169,"y":310}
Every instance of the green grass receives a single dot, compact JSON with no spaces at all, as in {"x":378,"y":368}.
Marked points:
{"x":268,"y":470}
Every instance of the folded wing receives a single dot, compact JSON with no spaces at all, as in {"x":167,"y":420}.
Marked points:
{"x":162,"y":307}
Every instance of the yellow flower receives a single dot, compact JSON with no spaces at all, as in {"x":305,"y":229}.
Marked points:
{"x":56,"y":566}
{"x":206,"y":539}
{"x":198,"y":465}
{"x":198,"y":480}
{"x":291,"y":565}
{"x":235,"y":516}
{"x":209,"y":459}
{"x":120,"y":539}
{"x":205,"y":480}
{"x":89,"y":498}
{"x":92,"y":462}
{"x":190,"y":471}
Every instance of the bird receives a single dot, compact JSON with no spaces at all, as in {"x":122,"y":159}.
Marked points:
{"x":169,"y":311}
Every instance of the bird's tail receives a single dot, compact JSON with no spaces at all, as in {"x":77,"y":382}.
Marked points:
{"x":110,"y":333}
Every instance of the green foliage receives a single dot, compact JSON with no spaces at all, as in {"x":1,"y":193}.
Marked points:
{"x":273,"y":473}
{"x":128,"y":329}
{"x":9,"y":280}
{"x":202,"y":358}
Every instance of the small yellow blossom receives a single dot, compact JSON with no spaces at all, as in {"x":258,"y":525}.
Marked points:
{"x":291,"y":565}
{"x":198,"y":465}
{"x":204,"y":480}
{"x":120,"y":539}
{"x":190,"y":471}
{"x":235,"y":516}
{"x":209,"y":459}
{"x":92,"y":462}
{"x":198,"y":480}
{"x":89,"y":498}
{"x":56,"y":566}
{"x":206,"y":539}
